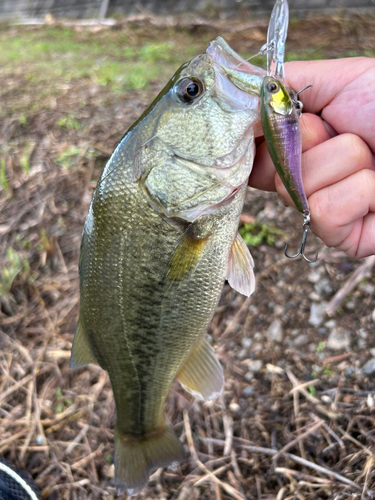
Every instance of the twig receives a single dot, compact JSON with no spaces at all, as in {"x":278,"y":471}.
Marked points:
{"x":300,"y":387}
{"x":300,"y":475}
{"x":299,"y":438}
{"x":81,"y":463}
{"x":226,"y":487}
{"x":336,"y":359}
{"x":228,"y":428}
{"x":302,"y":461}
{"x":77,"y":439}
{"x":16,"y":386}
{"x":363,"y":270}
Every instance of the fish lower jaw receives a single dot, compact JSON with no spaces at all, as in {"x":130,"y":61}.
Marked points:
{"x":192,"y":215}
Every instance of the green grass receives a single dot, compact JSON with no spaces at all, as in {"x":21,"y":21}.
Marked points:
{"x":16,"y":265}
{"x":256,"y":233}
{"x":65,"y":55}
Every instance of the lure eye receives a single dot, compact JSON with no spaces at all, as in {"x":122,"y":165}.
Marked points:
{"x":189,"y":89}
{"x":272,"y":87}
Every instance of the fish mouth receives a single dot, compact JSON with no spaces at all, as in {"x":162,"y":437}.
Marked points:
{"x":237,"y":87}
{"x":237,"y":82}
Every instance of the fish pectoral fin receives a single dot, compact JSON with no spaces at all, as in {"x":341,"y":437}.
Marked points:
{"x":81,"y":351}
{"x":136,"y":458}
{"x":185,"y":256}
{"x":202,"y":374}
{"x":240,"y":271}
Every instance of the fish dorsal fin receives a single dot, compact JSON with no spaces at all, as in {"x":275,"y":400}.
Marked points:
{"x":240,"y":271}
{"x":185,"y":256}
{"x":81,"y":351}
{"x":202,"y":374}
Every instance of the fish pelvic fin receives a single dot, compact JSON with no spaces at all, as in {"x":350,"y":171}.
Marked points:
{"x":135,"y":459}
{"x":240,"y":270}
{"x":82,"y":354}
{"x":202,"y":374}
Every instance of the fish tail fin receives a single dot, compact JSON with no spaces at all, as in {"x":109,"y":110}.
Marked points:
{"x":136,"y":458}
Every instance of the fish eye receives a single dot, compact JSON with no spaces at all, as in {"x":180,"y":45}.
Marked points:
{"x":189,"y":89}
{"x":272,"y":87}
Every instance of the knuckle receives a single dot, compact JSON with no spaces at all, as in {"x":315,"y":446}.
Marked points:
{"x":367,"y":183}
{"x":318,"y":208}
{"x":356,"y":149}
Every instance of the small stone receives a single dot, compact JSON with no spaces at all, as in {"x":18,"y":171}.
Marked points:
{"x":372,"y":351}
{"x":278,"y":310}
{"x":234,"y":407}
{"x":317,"y":314}
{"x":269,"y":210}
{"x":275,"y":331}
{"x":301,"y":340}
{"x":312,"y":348}
{"x":257,"y":347}
{"x":323,"y":286}
{"x":295,"y":332}
{"x":369,"y":367}
{"x":314,"y":296}
{"x":254,"y":365}
{"x":363,"y":333}
{"x":350,"y":305}
{"x":330,"y":324}
{"x":248,"y":391}
{"x":373,"y":316}
{"x":338,"y":339}
{"x":313,"y":276}
{"x":362,"y":343}
{"x":274,"y":369}
{"x":246,"y":343}
{"x":367,"y":288}
{"x":243,"y":353}
{"x":326,"y":399}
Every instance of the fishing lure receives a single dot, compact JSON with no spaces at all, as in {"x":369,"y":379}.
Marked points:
{"x":280,"y":113}
{"x":280,"y":122}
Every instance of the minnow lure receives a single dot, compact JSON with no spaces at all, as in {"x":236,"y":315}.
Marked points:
{"x":280,"y":122}
{"x":280,"y":113}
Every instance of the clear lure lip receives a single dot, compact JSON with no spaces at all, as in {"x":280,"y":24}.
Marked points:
{"x":276,"y":36}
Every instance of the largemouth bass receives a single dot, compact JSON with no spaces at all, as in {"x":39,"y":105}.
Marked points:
{"x":159,"y":240}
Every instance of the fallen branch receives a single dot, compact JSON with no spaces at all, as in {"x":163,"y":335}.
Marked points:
{"x":350,"y":284}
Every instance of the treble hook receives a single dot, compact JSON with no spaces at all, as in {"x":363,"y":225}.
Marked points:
{"x":297,"y":103}
{"x":306,"y":228}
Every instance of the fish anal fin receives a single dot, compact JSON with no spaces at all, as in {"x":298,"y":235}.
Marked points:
{"x":185,"y":256}
{"x":136,"y":458}
{"x":202,"y":374}
{"x":82,"y":354}
{"x":240,"y":271}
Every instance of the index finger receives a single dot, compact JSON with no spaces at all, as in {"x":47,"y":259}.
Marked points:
{"x":342,"y":93}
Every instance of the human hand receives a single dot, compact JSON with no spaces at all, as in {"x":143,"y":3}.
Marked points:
{"x":338,"y":140}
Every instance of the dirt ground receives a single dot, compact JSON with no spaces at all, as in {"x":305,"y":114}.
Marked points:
{"x":296,"y":419}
